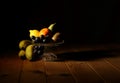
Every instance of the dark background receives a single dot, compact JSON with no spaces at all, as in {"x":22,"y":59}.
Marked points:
{"x":82,"y":21}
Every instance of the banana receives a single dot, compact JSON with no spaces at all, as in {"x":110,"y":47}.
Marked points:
{"x":21,"y":54}
{"x":51,"y":26}
{"x":24,"y":43}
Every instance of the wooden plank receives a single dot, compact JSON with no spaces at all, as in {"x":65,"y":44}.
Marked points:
{"x":114,"y":60}
{"x":57,"y":72}
{"x":33,"y":72}
{"x":108,"y":72}
{"x":83,"y":73}
{"x":10,"y":67}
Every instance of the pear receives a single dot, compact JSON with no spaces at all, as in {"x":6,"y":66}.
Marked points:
{"x":30,"y":55}
{"x":56,"y":36}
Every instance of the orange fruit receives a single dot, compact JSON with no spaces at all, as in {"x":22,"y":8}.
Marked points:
{"x":44,"y":32}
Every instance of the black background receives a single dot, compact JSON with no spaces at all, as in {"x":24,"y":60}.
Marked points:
{"x":82,"y":21}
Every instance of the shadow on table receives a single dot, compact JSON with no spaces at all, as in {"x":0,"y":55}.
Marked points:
{"x":87,"y":55}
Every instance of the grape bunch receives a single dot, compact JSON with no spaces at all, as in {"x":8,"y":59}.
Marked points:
{"x":41,"y":39}
{"x":38,"y":50}
{"x":35,"y":39}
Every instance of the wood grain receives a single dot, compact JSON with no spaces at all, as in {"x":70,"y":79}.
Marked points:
{"x":33,"y":72}
{"x":10,"y":68}
{"x":57,"y":72}
{"x":106,"y":71}
{"x":83,"y":73}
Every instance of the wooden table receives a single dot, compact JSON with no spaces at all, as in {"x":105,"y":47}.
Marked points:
{"x":76,"y":64}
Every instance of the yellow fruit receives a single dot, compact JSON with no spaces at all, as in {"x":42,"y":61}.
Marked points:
{"x":29,"y":52}
{"x":34,"y":33}
{"x":24,"y":43}
{"x":21,"y":54}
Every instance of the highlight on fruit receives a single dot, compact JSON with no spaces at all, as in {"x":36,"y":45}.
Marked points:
{"x":33,"y":48}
